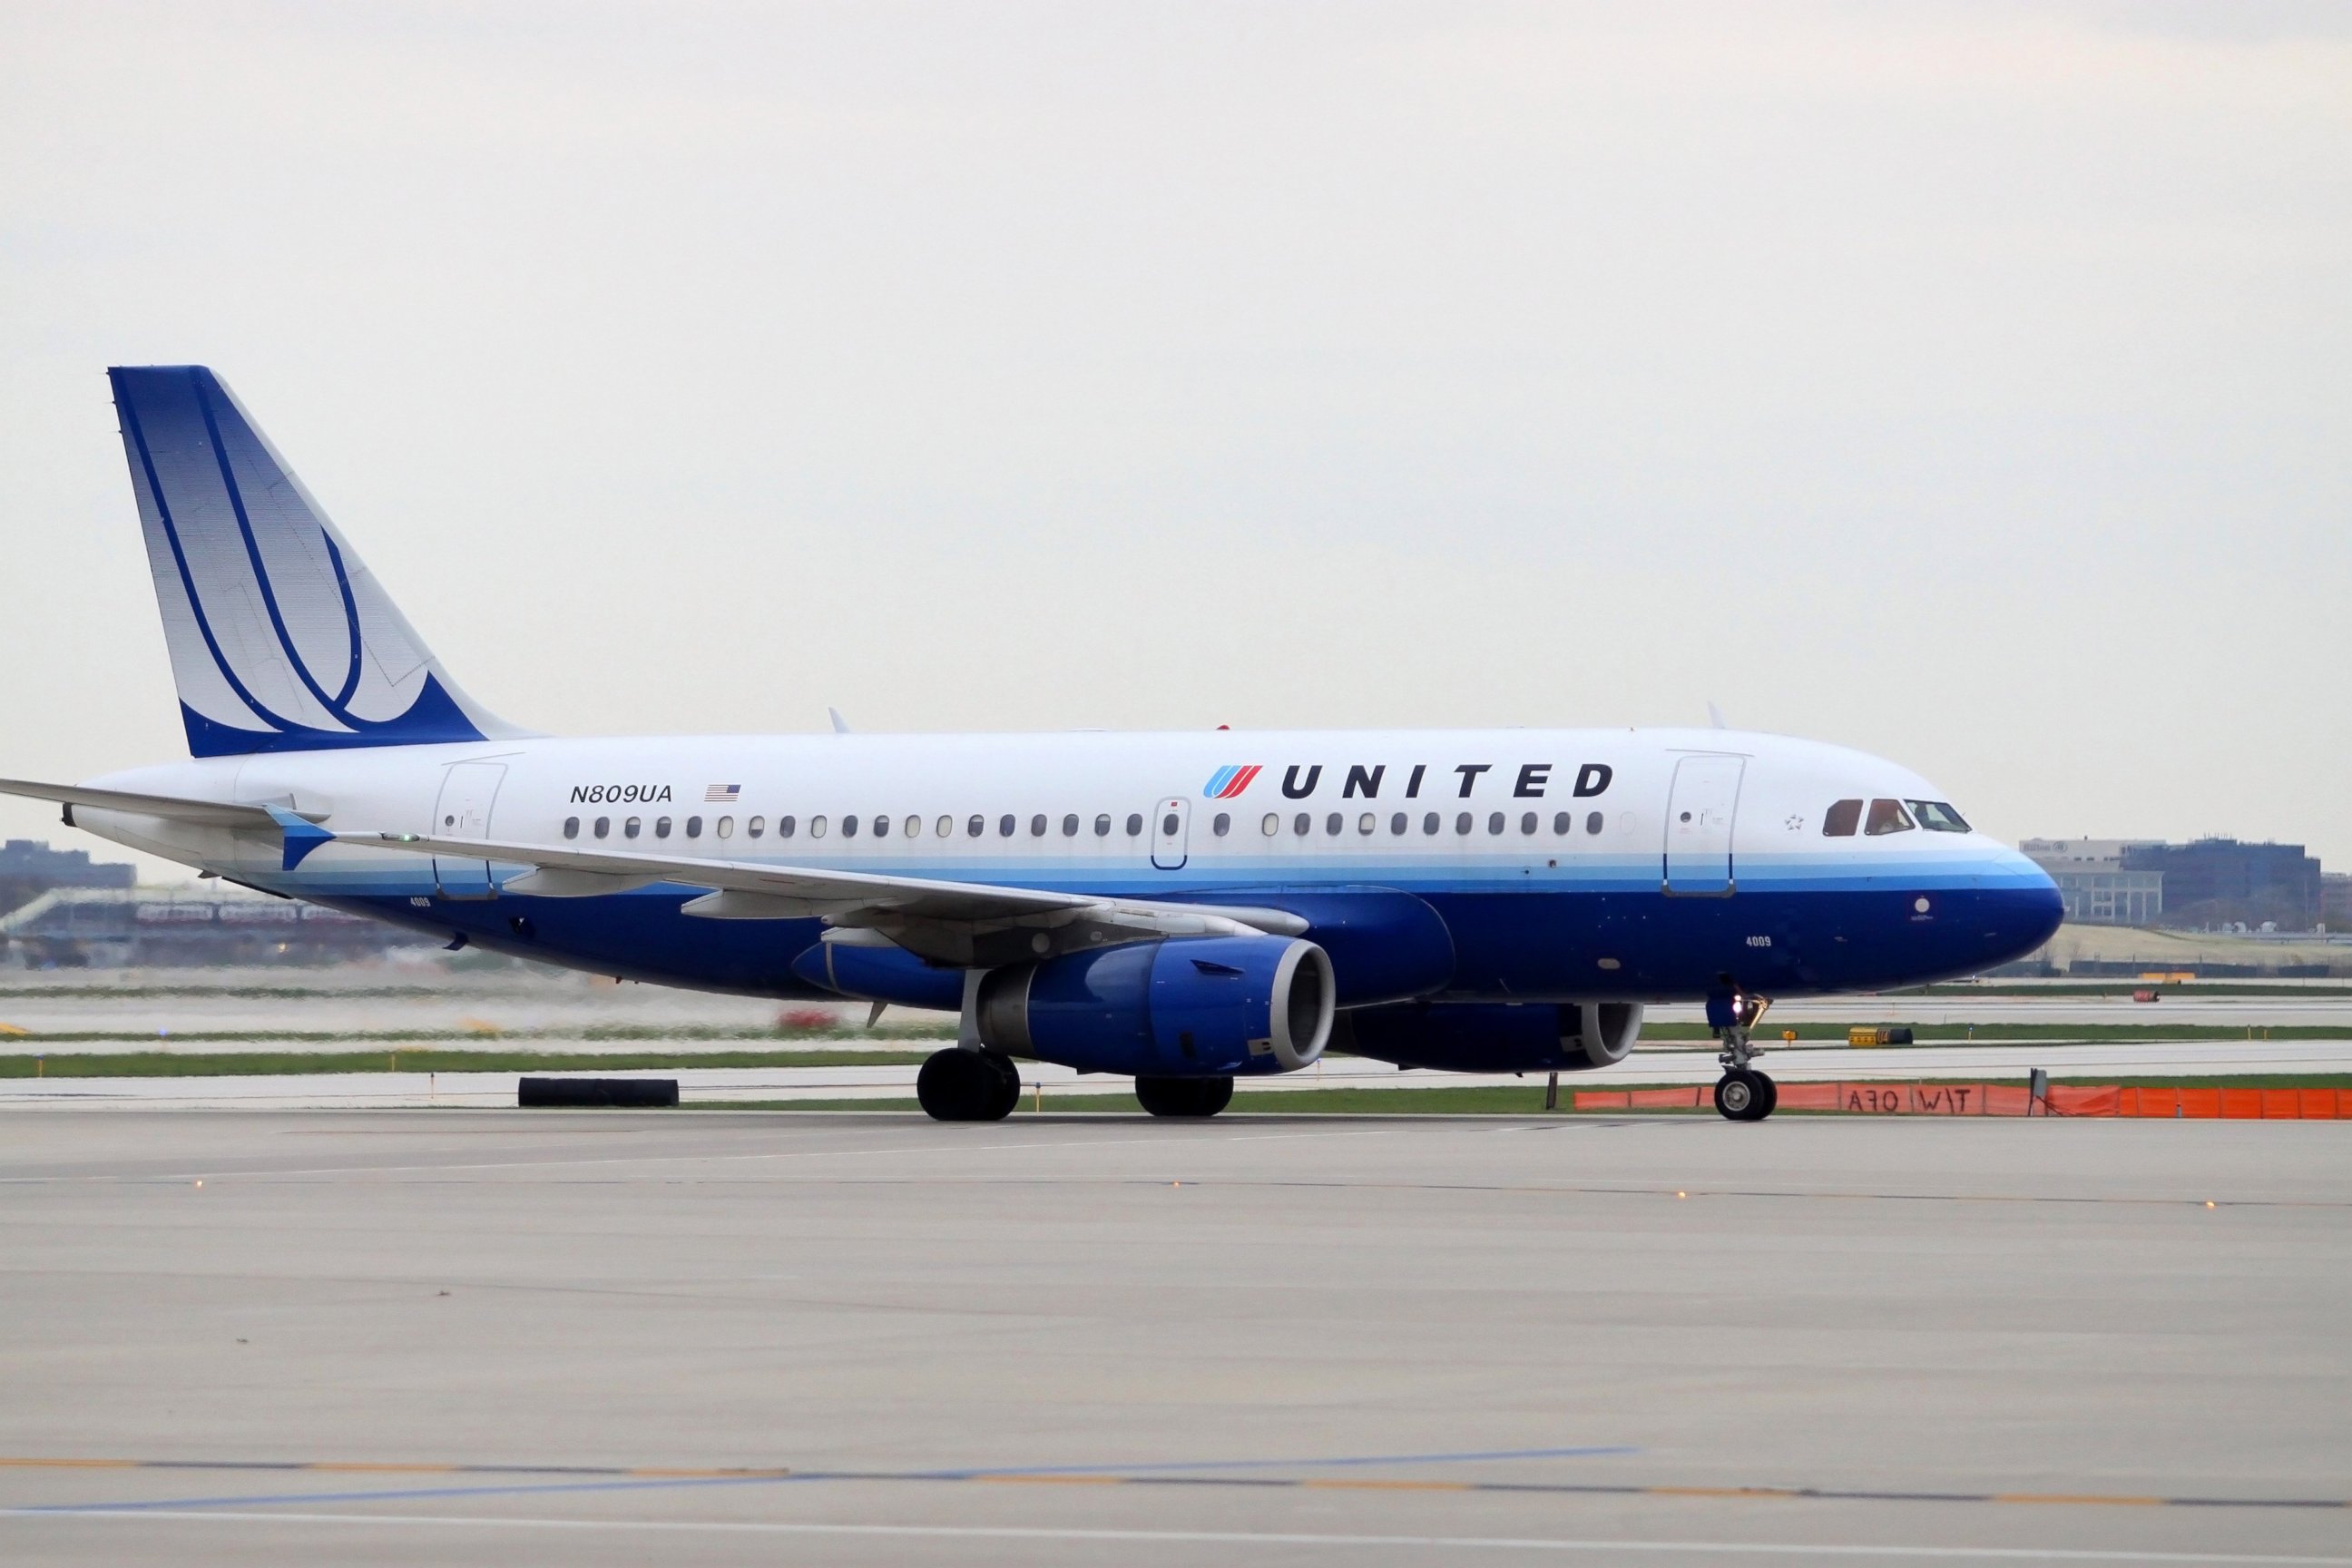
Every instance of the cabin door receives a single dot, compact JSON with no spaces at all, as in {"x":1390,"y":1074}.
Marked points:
{"x":468,"y":791}
{"x":1699,"y":811}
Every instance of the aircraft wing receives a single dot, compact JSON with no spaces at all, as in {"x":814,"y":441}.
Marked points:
{"x":959,"y":923}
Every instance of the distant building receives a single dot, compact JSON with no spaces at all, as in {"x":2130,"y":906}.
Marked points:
{"x":211,"y":923}
{"x":29,"y":868}
{"x":2097,"y":885}
{"x":2336,"y":901}
{"x":2216,"y":882}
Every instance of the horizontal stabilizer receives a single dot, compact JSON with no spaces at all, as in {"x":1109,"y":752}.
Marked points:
{"x":198,"y":813}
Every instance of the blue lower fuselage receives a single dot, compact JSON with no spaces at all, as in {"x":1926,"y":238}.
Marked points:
{"x":1387,"y":941}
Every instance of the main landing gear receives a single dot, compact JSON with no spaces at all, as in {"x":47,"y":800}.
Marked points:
{"x":1741,"y":1094}
{"x":1184,"y":1096}
{"x":960,"y":1085}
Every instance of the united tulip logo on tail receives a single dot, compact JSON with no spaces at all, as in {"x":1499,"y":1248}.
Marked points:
{"x":1226,"y":784}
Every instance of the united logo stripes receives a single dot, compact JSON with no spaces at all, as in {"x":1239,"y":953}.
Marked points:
{"x":1227,"y":784}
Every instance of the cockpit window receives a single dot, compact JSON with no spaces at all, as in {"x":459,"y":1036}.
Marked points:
{"x":1887,"y":816}
{"x":1937,"y":816}
{"x":1840,"y":820}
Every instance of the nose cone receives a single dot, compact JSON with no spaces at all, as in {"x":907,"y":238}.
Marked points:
{"x":2030,"y":912}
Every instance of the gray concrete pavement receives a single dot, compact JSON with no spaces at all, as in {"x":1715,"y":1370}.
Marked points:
{"x":1423,"y":1341}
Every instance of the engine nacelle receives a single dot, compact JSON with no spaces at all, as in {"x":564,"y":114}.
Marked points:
{"x":1188,"y":1008}
{"x":889,"y":974}
{"x":1485,"y":1037}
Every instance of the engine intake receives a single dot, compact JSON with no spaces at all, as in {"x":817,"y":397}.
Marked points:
{"x":1188,"y":1007}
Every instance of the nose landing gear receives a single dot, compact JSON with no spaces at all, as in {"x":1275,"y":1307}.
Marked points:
{"x":1741,"y":1094}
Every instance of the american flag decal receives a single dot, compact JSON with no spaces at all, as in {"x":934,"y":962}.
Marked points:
{"x":722,"y":794}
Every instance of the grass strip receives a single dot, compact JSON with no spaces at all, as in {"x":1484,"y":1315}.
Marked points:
{"x":247,"y":1064}
{"x":1478,"y":1100}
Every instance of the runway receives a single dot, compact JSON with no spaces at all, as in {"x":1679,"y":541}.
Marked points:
{"x":491,"y":1337}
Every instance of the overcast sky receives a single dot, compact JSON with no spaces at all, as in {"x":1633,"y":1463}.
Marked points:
{"x":1969,"y":383}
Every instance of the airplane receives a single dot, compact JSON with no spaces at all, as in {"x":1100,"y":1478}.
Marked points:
{"x":1180,"y":909}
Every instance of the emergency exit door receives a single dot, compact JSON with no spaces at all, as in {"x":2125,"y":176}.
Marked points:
{"x":1699,"y":811}
{"x":1171,"y":821}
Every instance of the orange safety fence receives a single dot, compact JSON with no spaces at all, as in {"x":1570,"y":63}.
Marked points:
{"x":1862,"y":1099}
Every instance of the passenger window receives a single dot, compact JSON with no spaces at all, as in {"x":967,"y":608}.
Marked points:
{"x":604,"y":825}
{"x":1397,"y":824}
{"x":694,"y":827}
{"x":1302,"y":824}
{"x":1331,"y":823}
{"x":1004,"y":826}
{"x":1528,"y":821}
{"x":1168,"y":825}
{"x":1070,"y":825}
{"x":756,"y":826}
{"x":1135,"y":824}
{"x":1367,"y":822}
{"x":571,"y":827}
{"x":1839,"y":820}
{"x":945,"y":827}
{"x":849,"y":826}
{"x":783,"y":827}
{"x":975,"y":827}
{"x":661,"y":827}
{"x":1429,"y":822}
{"x":1592,"y":824}
{"x":1562,"y":821}
{"x":1886,"y":817}
{"x":1462,"y":822}
{"x":1037,"y":826}
{"x":1102,"y":824}
{"x":915,"y":826}
{"x":725,"y":827}
{"x":1273,"y":824}
{"x":1937,"y":816}
{"x":816,"y":828}
{"x":1222,"y":825}
{"x":1495,"y":822}
{"x":881,"y":827}
{"x":632,"y":827}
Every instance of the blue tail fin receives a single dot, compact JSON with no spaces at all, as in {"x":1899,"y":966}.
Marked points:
{"x":281,"y":639}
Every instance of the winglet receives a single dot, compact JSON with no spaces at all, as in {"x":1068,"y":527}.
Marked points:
{"x":301,"y":837}
{"x":1715,"y":717}
{"x":840,"y":724}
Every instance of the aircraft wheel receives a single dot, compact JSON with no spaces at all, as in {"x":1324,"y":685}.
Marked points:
{"x":958,"y":1085}
{"x":1193,"y":1097}
{"x":1739,"y":1095}
{"x":1005,"y":1091}
{"x":1771,"y":1097}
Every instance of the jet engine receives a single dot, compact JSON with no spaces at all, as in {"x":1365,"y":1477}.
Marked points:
{"x":1184,"y":1007}
{"x":1569,"y":1036}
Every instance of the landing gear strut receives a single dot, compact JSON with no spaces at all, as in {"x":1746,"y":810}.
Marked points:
{"x":960,"y":1085}
{"x":1742,"y":1094}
